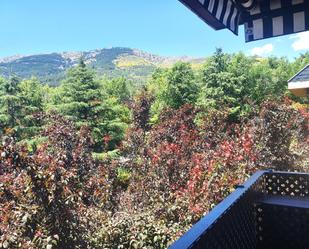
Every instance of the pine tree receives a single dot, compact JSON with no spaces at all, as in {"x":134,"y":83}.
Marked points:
{"x":31,"y":98}
{"x":9,"y":103}
{"x":81,"y":94}
{"x":82,"y":99}
{"x":223,"y":83}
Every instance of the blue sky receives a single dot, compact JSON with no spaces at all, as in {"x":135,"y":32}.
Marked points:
{"x":163,"y":27}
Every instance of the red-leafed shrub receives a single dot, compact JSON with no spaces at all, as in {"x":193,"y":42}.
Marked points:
{"x":189,"y":162}
{"x":43,"y":196}
{"x":199,"y":164}
{"x":282,"y":131}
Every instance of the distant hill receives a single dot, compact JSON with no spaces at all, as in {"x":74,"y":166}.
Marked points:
{"x":112,"y":62}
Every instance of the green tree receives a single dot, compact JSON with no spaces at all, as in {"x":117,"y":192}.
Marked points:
{"x":218,"y":62}
{"x":173,"y":88}
{"x":81,"y":94}
{"x":120,"y":88}
{"x":179,"y":86}
{"x":81,"y":98}
{"x":268,"y":78}
{"x":240,"y":82}
{"x":223,"y":83}
{"x":300,"y":62}
{"x":31,"y":96}
{"x":157,"y":86}
{"x":110,"y":123}
{"x":9,"y":103}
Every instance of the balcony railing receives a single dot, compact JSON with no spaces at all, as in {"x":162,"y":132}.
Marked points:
{"x":270,"y":211}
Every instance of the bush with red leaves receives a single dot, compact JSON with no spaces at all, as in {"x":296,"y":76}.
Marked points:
{"x":281,"y":130}
{"x":186,"y":167}
{"x":43,"y":196}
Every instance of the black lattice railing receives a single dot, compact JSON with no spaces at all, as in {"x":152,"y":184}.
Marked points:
{"x":270,"y":211}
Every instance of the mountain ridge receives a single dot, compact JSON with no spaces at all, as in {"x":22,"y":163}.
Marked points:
{"x":50,"y":68}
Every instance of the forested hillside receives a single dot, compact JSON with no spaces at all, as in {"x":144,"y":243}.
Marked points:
{"x":103,"y":162}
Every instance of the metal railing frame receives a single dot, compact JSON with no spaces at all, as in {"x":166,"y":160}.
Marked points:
{"x":194,"y":235}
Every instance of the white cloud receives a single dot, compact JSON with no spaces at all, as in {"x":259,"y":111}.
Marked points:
{"x":264,"y":50}
{"x":301,"y":41}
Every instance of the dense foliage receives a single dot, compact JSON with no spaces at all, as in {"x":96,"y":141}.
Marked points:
{"x":98,"y":163}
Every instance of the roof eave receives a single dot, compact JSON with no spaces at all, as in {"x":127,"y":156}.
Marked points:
{"x":203,"y":14}
{"x":298,"y":85}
